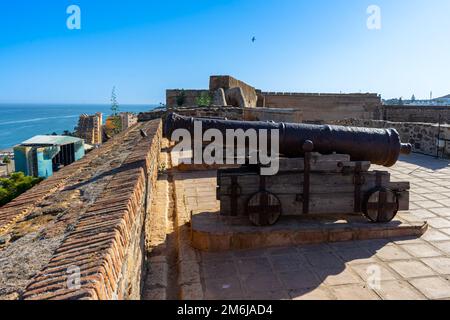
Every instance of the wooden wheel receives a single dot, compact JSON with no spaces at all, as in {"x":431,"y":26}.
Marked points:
{"x":264,"y":209}
{"x":381,"y":205}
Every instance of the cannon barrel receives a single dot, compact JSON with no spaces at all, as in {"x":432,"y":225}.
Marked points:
{"x":379,"y":146}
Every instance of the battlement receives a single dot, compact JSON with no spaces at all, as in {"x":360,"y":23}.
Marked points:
{"x":228,"y":91}
{"x":306,"y":94}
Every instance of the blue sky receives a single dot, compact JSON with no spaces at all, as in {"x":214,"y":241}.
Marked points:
{"x":144,"y":46}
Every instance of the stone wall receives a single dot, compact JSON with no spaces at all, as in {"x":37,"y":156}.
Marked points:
{"x":190,"y":97}
{"x":230,"y":113}
{"x":227,"y":82}
{"x":236,"y":93}
{"x":315,"y":107}
{"x":277,"y":115}
{"x":327,"y":107}
{"x":428,"y":114}
{"x":422,"y":136}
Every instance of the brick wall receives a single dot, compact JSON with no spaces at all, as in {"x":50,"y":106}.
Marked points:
{"x":106,"y":242}
{"x":422,"y":136}
{"x":428,"y":114}
{"x":327,"y":107}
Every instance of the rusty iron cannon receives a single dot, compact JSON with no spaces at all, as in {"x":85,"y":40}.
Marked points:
{"x":379,"y":146}
{"x":322,"y":170}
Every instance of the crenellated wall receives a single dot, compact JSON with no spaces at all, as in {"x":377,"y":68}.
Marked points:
{"x":327,"y":107}
{"x":315,"y":107}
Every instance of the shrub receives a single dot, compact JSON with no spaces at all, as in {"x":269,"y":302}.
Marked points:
{"x":204,"y":100}
{"x":14,"y":186}
{"x":181,"y":98}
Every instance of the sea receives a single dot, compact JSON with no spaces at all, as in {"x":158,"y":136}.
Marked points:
{"x":19,"y":122}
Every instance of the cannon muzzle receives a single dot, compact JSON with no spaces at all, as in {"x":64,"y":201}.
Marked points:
{"x":379,"y":146}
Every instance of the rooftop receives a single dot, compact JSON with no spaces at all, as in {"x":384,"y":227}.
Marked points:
{"x":50,"y":140}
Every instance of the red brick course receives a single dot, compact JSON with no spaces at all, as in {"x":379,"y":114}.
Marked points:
{"x":25,"y":203}
{"x":102,"y":235}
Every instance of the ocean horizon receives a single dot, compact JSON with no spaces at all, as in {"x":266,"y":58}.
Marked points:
{"x":19,"y":122}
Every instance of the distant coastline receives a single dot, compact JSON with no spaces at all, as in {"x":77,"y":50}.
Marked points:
{"x":18,"y":122}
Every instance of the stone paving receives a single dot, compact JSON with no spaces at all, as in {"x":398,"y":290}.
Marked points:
{"x":406,"y":269}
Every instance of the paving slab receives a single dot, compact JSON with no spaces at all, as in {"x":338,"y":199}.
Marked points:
{"x":389,"y":268}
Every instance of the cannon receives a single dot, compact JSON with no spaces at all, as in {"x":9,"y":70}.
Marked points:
{"x":379,"y":146}
{"x":323,"y":170}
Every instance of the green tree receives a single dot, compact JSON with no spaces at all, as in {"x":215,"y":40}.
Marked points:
{"x":6,"y":160}
{"x":15,"y":185}
{"x":4,"y":194}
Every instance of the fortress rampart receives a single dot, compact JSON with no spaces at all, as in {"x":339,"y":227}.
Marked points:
{"x":86,"y":221}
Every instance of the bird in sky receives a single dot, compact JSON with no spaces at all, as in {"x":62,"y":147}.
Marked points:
{"x":253,"y":39}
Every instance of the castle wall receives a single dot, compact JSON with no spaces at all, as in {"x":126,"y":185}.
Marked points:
{"x":327,"y":107}
{"x":428,"y":114}
{"x":230,"y":113}
{"x":231,"y":86}
{"x":227,"y":82}
{"x":277,"y":115}
{"x":190,"y":97}
{"x":422,"y":136}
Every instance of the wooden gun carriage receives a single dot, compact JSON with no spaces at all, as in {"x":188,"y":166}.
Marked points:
{"x":315,"y":184}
